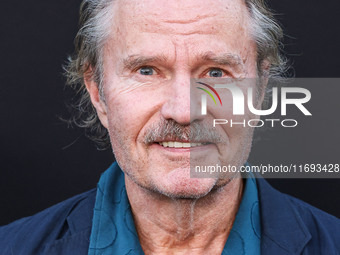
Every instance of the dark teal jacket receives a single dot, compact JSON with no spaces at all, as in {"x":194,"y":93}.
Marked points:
{"x":289,"y":226}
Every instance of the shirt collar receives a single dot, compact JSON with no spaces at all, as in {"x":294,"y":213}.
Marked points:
{"x":245,"y":235}
{"x":113,"y":229}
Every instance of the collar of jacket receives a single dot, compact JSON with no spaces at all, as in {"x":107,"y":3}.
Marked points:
{"x":282,"y":229}
{"x":75,"y":236}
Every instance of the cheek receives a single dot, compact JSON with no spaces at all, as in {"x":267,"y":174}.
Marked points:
{"x":129,"y":111}
{"x":123,"y":119}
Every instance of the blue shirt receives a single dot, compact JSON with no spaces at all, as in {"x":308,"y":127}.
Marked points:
{"x":114,"y":232}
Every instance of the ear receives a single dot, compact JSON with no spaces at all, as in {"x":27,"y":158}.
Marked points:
{"x":93,"y":90}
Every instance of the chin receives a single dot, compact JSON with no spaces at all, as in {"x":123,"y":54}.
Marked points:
{"x":178,"y":184}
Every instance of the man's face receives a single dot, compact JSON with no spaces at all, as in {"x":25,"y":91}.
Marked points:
{"x":155,"y":48}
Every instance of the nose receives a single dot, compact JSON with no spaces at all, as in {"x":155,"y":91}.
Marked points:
{"x":180,"y":104}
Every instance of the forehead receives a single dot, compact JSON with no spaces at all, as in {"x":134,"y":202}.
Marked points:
{"x":184,"y":13}
{"x":166,"y":25}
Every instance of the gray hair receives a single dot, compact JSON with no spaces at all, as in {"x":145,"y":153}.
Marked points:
{"x":95,"y":20}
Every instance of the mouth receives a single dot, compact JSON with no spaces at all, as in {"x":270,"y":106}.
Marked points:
{"x":174,"y":149}
{"x":184,"y":146}
{"x":179,"y":145}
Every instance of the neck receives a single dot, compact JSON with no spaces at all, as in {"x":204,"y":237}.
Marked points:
{"x":184,"y":226}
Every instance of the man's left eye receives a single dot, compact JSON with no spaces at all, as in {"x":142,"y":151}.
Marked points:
{"x":215,"y":73}
{"x":146,"y":70}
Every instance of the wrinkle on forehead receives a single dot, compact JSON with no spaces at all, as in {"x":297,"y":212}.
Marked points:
{"x":182,"y":17}
{"x":187,"y":21}
{"x":174,"y":31}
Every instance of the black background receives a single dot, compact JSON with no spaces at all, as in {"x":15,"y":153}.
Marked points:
{"x":43,"y":162}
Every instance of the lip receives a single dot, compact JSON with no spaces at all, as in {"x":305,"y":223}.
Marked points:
{"x":182,"y":150}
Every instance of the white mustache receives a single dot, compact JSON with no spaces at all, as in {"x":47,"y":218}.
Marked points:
{"x":197,"y":132}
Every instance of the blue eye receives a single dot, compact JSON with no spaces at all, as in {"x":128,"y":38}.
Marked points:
{"x":146,"y":70}
{"x":215,"y":73}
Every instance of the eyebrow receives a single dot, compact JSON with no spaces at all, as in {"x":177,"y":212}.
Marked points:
{"x":134,"y":61}
{"x":228,"y":59}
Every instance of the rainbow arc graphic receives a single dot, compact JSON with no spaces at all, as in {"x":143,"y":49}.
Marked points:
{"x":209,"y":93}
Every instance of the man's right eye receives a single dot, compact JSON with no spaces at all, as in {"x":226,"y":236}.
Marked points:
{"x":146,"y":70}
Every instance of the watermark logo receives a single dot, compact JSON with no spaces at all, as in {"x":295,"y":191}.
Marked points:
{"x":204,"y":97}
{"x":239,"y":99}
{"x":242,"y":98}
